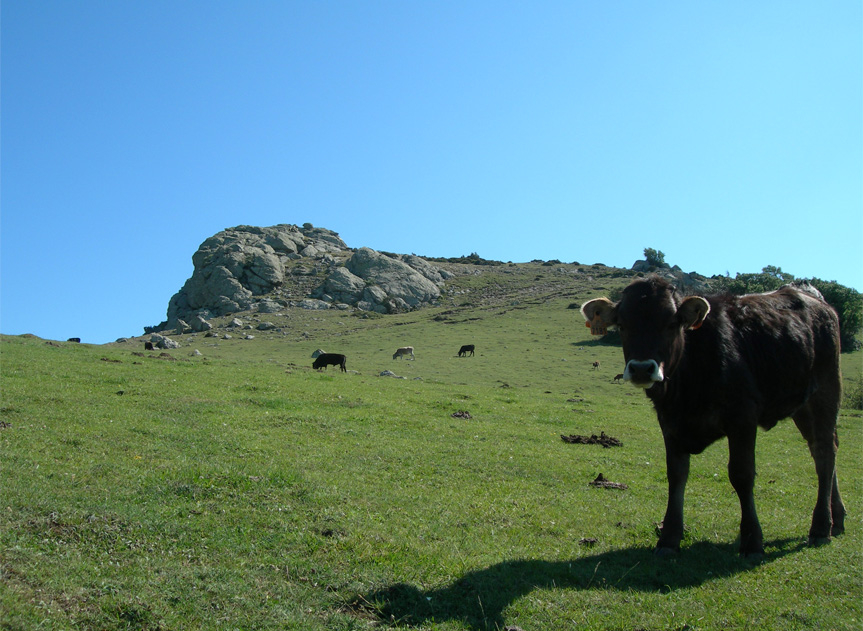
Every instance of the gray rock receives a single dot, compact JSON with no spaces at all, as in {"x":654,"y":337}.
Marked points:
{"x":200,"y":325}
{"x":163,"y":342}
{"x":342,"y":286}
{"x":388,"y":277}
{"x":235,"y":266}
{"x":311,"y":303}
{"x":269,"y":306}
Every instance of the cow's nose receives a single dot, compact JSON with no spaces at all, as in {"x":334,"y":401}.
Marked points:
{"x":643,"y":373}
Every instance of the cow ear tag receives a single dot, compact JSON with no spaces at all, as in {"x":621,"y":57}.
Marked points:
{"x":597,"y":326}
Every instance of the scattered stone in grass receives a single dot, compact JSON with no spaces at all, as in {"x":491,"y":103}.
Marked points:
{"x":588,"y":541}
{"x":576,"y":400}
{"x":461,"y":414}
{"x":112,"y":361}
{"x":601,"y":482}
{"x":603,"y":439}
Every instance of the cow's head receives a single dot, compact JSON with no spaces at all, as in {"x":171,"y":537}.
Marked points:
{"x":652,"y":322}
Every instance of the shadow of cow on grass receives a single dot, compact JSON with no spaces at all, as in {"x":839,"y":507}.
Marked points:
{"x":479,"y":598}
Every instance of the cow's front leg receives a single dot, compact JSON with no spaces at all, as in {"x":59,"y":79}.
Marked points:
{"x":677,"y":470}
{"x":741,"y":472}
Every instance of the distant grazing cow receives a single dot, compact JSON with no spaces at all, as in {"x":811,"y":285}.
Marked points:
{"x":404,"y":350}
{"x":329,"y":359}
{"x":755,"y":360}
{"x":464,"y":350}
{"x":148,"y":346}
{"x":74,"y":339}
{"x":318,"y":353}
{"x":617,"y":378}
{"x":595,"y":365}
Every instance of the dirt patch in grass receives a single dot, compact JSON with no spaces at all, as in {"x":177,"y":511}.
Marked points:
{"x":601,"y":482}
{"x":603,"y":439}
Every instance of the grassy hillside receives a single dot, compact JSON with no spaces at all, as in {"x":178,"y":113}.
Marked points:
{"x":239,"y":489}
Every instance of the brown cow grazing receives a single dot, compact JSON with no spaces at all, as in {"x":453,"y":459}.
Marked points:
{"x":595,"y":365}
{"x":324,"y":360}
{"x":617,"y":378}
{"x":722,"y":366}
{"x":464,"y":350}
{"x":148,"y":346}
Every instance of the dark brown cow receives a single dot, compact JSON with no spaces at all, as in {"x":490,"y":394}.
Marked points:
{"x":595,"y":365}
{"x":464,"y":350}
{"x":329,"y":359}
{"x":722,"y":366}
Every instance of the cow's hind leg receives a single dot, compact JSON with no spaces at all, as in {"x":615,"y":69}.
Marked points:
{"x":741,"y":473}
{"x":817,"y":423}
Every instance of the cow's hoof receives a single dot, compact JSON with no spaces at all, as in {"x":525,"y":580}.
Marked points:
{"x":837,"y":529}
{"x":814,"y":542}
{"x":753,"y":557}
{"x":664,"y":553}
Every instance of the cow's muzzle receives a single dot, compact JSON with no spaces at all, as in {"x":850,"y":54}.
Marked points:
{"x":643,"y":373}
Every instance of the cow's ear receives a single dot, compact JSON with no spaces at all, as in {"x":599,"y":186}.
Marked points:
{"x":692,"y":312}
{"x":600,"y":314}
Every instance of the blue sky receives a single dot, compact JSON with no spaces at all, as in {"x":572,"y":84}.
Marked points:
{"x":728,"y":135}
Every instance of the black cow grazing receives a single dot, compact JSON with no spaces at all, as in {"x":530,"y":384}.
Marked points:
{"x":148,"y":346}
{"x":722,"y":366}
{"x":595,"y":365}
{"x":329,"y":359}
{"x":464,"y":350}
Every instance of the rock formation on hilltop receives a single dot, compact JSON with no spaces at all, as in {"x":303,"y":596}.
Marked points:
{"x":248,"y":268}
{"x":269,"y":270}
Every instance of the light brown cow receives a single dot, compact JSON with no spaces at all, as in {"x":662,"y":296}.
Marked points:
{"x":404,"y":350}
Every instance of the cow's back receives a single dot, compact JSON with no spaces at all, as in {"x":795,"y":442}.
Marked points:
{"x":763,"y":353}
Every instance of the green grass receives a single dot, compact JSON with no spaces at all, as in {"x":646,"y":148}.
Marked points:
{"x":242,"y":490}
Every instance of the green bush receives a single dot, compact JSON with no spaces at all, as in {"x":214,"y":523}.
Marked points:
{"x":654,"y":258}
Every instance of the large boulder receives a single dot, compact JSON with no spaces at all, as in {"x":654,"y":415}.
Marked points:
{"x":248,"y":268}
{"x":343,"y":286}
{"x":391,"y":279}
{"x":236,"y":268}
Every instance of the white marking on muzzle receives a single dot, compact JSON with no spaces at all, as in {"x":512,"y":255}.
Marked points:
{"x":643,"y":373}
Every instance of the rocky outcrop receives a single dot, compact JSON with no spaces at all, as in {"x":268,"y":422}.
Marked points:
{"x":267,"y":270}
{"x":379,"y":282}
{"x":689,"y":282}
{"x":237,"y":268}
